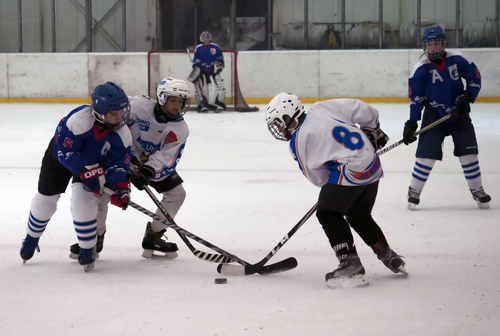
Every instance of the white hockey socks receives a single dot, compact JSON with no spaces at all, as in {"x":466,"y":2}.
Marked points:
{"x":421,"y":172}
{"x":84,"y":207}
{"x":42,"y":209}
{"x":472,"y":173}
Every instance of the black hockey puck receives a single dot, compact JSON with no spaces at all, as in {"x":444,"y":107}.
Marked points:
{"x":221,"y":281}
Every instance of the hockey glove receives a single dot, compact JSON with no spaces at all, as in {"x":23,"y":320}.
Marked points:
{"x":409,"y":131}
{"x":142,"y":178}
{"x":218,"y":67}
{"x":377,"y":137}
{"x":463,"y":104}
{"x":122,"y":196}
{"x":93,"y":179}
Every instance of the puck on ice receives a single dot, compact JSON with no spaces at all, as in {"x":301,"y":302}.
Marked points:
{"x":221,"y":281}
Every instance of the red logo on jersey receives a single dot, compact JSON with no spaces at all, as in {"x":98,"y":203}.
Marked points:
{"x":409,"y":90}
{"x":68,"y":143}
{"x":478,"y":74}
{"x":171,"y":137}
{"x":127,"y":158}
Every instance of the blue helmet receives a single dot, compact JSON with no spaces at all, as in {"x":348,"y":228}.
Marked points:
{"x":110,"y":97}
{"x":434,"y":34}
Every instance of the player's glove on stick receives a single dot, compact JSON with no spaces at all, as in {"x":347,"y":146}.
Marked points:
{"x":142,"y":178}
{"x":377,"y":137}
{"x":122,"y":197}
{"x":408,"y":131}
{"x":93,"y":179}
{"x":463,"y":104}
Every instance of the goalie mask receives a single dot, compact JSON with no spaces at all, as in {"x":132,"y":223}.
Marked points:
{"x":283,"y":115}
{"x":110,"y":97}
{"x":175,"y":88}
{"x":206,"y":38}
{"x":433,"y":50}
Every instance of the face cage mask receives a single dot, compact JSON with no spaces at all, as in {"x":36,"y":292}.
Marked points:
{"x":275,"y":126}
{"x":124,"y":121}
{"x":436,"y":55}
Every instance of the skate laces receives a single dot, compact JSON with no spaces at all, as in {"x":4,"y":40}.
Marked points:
{"x":412,"y":193}
{"x":30,"y":243}
{"x":479,"y":194}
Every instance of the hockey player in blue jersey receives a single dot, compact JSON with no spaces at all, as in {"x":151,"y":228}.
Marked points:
{"x":336,"y":155}
{"x":208,"y":63}
{"x":159,"y":134}
{"x":435,"y":86}
{"x":92,"y":147}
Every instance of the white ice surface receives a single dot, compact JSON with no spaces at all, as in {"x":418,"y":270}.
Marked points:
{"x":244,"y":193}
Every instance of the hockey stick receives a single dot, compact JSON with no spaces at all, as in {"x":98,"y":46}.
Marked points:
{"x":422,"y":130}
{"x":217,"y":258}
{"x":249,"y":269}
{"x":238,"y":270}
{"x":281,"y":266}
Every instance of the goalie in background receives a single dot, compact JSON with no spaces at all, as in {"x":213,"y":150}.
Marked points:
{"x":208,"y":63}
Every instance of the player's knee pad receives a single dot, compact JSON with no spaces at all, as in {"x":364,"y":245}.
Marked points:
{"x":44,"y":206}
{"x":173,"y":199}
{"x":84,"y":204}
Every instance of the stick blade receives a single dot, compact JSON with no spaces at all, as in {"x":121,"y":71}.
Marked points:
{"x":280,"y":266}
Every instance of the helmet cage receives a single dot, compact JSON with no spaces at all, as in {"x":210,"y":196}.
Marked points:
{"x":282,"y":111}
{"x":110,"y":97}
{"x":434,"y":55}
{"x":205,"y":38}
{"x":100,"y":118}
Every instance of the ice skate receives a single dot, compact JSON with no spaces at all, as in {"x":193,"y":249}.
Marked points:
{"x":349,"y":274}
{"x":390,"y":258}
{"x":482,"y":198}
{"x":28,"y":248}
{"x":413,"y":198}
{"x":153,"y":241}
{"x":75,"y":248}
{"x":86,"y":258}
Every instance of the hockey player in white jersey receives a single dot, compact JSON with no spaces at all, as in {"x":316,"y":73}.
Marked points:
{"x":336,"y":155}
{"x":159,"y":135}
{"x":208,"y":63}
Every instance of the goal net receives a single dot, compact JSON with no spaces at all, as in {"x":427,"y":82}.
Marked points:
{"x":177,"y":64}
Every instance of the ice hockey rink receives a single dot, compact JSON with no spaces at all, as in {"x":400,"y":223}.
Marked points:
{"x":244,"y":193}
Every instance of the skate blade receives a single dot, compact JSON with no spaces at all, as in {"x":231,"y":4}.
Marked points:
{"x":150,"y":254}
{"x":401,"y":269}
{"x":411,"y":206}
{"x":357,"y":281}
{"x":75,"y":256}
{"x":88,"y":267}
{"x":485,"y":205}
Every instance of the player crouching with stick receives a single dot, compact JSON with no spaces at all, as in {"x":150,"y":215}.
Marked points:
{"x":336,"y":155}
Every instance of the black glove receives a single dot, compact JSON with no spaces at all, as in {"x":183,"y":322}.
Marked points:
{"x":377,"y":137}
{"x":142,"y":178}
{"x":463,"y":104}
{"x":122,"y":197}
{"x":408,"y":131}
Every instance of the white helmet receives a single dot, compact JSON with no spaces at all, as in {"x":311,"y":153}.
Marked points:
{"x":206,"y":38}
{"x":284,"y":106}
{"x":173,"y":87}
